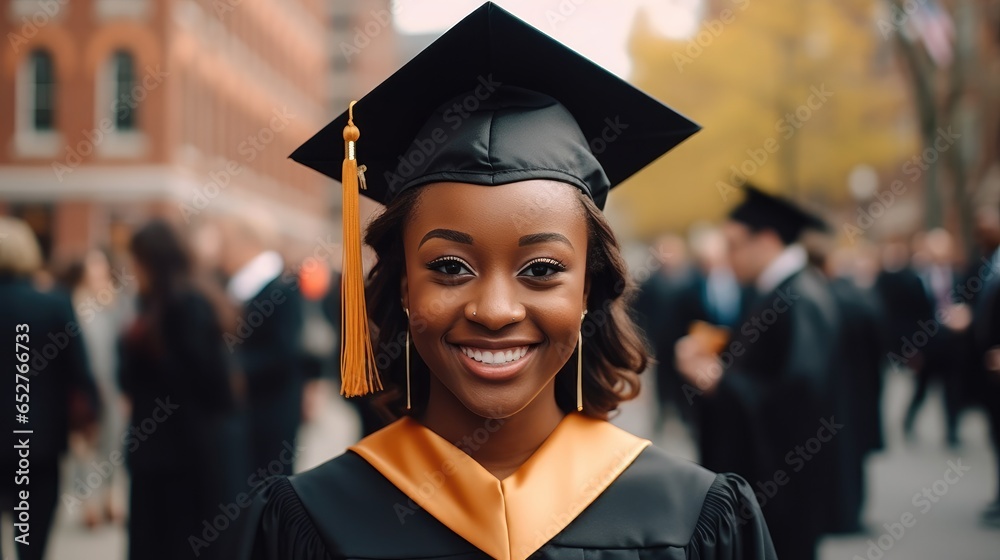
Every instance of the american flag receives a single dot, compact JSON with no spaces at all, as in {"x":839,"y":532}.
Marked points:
{"x":931,"y":25}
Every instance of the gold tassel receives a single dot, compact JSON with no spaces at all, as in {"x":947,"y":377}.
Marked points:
{"x":358,"y":373}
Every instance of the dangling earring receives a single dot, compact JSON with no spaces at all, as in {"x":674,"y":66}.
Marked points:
{"x":407,"y":358}
{"x":579,"y":367}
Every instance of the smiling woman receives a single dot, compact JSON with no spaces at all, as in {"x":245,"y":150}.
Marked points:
{"x":489,"y":284}
{"x":502,"y":282}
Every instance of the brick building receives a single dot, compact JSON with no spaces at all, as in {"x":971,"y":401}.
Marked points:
{"x":112,"y":111}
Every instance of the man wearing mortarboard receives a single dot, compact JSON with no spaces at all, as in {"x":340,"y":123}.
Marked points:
{"x":765,"y":408}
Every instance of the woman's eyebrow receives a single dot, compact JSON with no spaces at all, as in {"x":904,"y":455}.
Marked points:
{"x":542,"y":238}
{"x":449,"y":234}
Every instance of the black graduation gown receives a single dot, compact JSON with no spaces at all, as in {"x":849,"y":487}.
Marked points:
{"x":858,"y":389}
{"x":658,"y":507}
{"x":986,"y":336}
{"x":664,"y":309}
{"x":267,"y":348}
{"x":906,"y":307}
{"x":58,"y":375}
{"x":772,"y":401}
{"x":183,"y":448}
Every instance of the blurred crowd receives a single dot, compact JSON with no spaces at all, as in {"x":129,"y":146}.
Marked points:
{"x":188,"y":363}
{"x":916,"y":304}
{"x":193,"y":360}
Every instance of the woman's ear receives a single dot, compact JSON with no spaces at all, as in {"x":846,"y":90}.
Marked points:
{"x":586,"y":291}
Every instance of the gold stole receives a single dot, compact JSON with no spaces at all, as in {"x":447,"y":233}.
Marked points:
{"x":512,"y":518}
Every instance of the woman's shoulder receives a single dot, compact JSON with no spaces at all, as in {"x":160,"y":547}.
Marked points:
{"x":661,"y":495}
{"x":673,"y":502}
{"x":718,"y":511}
{"x":670,"y":475}
{"x":317,"y":513}
{"x":338,"y":480}
{"x":282,"y":517}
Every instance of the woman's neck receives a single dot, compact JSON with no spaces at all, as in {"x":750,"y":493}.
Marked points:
{"x":499,"y":445}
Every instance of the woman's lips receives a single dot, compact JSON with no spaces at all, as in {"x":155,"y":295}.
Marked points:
{"x":498,"y":356}
{"x":494,"y":364}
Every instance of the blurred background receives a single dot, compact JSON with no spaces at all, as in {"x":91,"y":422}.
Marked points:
{"x":144,"y":144}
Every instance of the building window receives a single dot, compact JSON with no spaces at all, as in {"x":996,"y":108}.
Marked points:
{"x":43,"y":98}
{"x":124,"y":106}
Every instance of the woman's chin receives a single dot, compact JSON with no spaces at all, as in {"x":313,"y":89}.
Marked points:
{"x":494,"y":406}
{"x":496,"y":410}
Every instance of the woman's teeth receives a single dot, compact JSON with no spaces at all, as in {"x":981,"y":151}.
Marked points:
{"x":495,"y":357}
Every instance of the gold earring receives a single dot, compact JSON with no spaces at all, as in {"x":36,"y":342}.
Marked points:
{"x":579,"y":367}
{"x":407,"y":358}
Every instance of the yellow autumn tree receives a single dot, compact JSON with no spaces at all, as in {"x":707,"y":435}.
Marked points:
{"x":791,"y":94}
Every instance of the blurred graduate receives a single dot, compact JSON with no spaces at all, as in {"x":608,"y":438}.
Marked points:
{"x":501,"y":324}
{"x":766,"y":390}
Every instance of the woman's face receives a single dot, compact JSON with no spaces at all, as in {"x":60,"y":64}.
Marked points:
{"x":495,"y":284}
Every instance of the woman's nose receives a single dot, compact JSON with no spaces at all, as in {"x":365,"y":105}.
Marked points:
{"x":495,"y":304}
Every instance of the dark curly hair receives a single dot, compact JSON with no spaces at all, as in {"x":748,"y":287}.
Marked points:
{"x":614,"y":353}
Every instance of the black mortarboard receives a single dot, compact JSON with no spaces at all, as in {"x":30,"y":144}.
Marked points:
{"x":496,"y":101}
{"x":492,"y":101}
{"x":761,"y":210}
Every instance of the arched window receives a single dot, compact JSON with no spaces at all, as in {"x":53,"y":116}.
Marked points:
{"x":124,"y":104}
{"x":43,"y":91}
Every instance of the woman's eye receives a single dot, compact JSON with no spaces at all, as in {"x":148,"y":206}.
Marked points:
{"x":451,"y":267}
{"x":543,"y":268}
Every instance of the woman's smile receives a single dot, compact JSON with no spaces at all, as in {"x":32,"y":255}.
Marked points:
{"x":495,"y":357}
{"x":498,"y":362}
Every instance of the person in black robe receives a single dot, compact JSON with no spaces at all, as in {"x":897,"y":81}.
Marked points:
{"x":267,"y":338}
{"x":945,"y":349}
{"x":857,"y":382}
{"x":663,"y":311}
{"x":501,"y":325}
{"x":56,"y":393}
{"x":768,"y":393}
{"x":175,"y":371}
{"x":985,"y":339}
{"x":906,"y":306}
{"x":715,"y":297}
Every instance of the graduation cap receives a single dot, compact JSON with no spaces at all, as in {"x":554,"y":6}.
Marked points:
{"x":492,"y":101}
{"x":760,"y":210}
